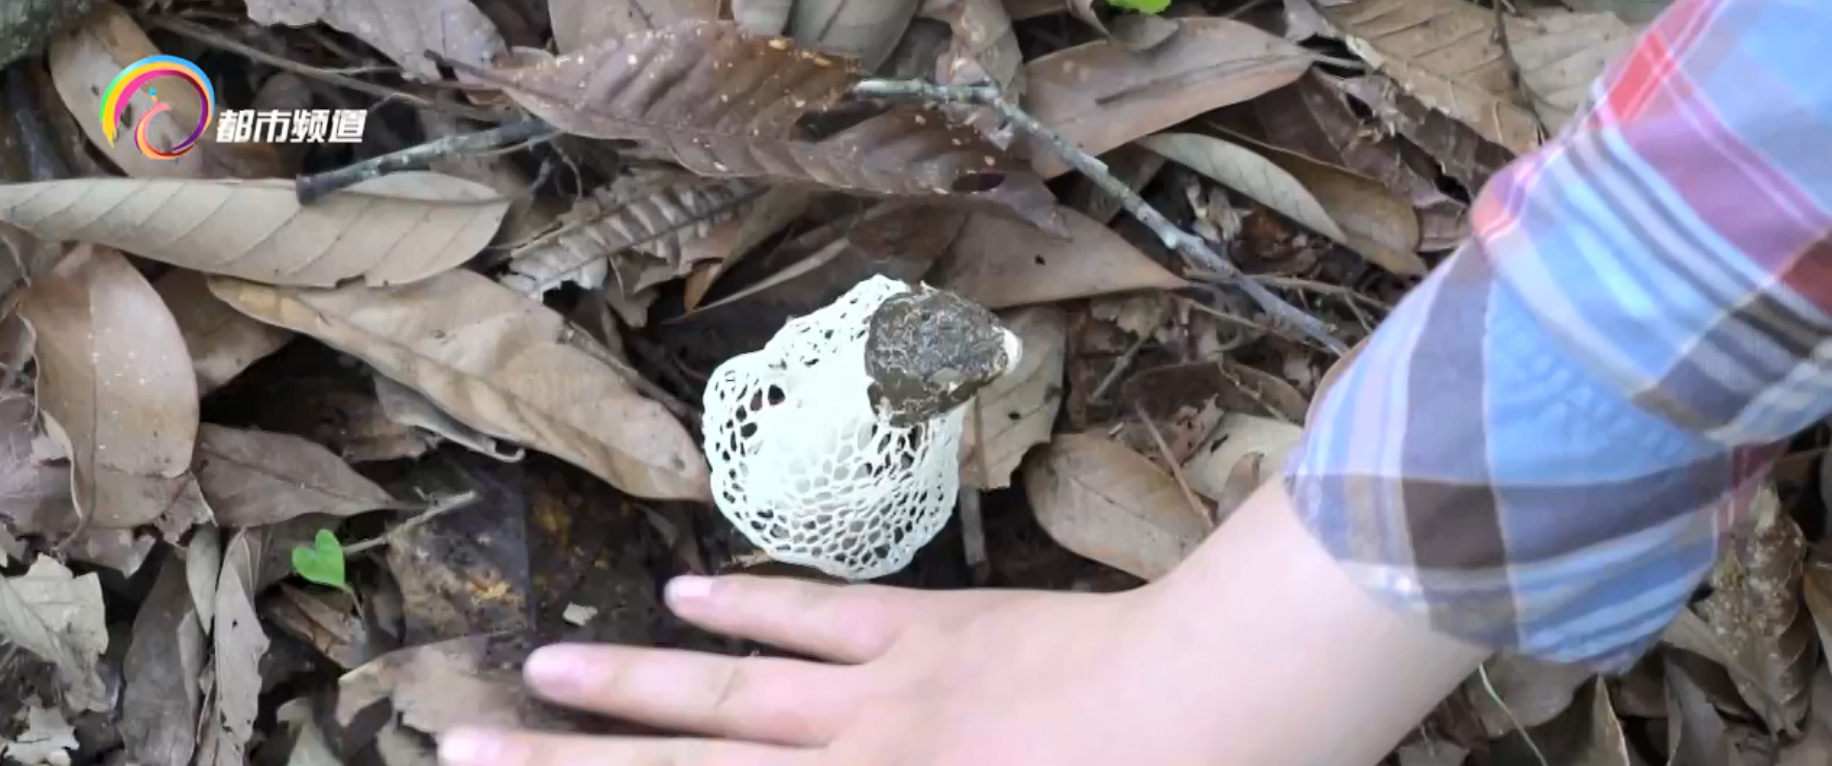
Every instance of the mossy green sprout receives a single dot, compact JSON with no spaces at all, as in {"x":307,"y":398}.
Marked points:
{"x":1149,"y":7}
{"x":322,"y":562}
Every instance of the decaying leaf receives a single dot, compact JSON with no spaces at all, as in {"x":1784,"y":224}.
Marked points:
{"x":411,"y":408}
{"x":255,"y":478}
{"x":87,"y":58}
{"x":1463,"y":153}
{"x":1522,"y":692}
{"x":1018,"y":410}
{"x":864,"y":29}
{"x":578,"y":23}
{"x":1348,"y":208}
{"x":1445,"y":53}
{"x":160,"y":696}
{"x":732,"y":109}
{"x":1105,"y":502}
{"x":238,"y":643}
{"x":397,"y":228}
{"x":632,"y":229}
{"x":1217,"y":472}
{"x":1000,"y":264}
{"x":401,"y":29}
{"x":983,"y":49}
{"x":728,"y":242}
{"x":1100,"y":95}
{"x":1754,"y":609}
{"x":221,"y":340}
{"x":1586,"y":733}
{"x":116,"y":385}
{"x":327,"y":620}
{"x":34,"y":496}
{"x":310,"y":747}
{"x":58,"y":617}
{"x":499,"y":363}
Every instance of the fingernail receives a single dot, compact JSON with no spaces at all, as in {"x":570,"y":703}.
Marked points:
{"x":688,"y":588}
{"x":470,"y":747}
{"x":556,"y":668}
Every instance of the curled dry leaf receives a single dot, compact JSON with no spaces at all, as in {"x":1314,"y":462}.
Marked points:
{"x":1463,"y":154}
{"x":115,"y":384}
{"x":1754,"y":610}
{"x":732,"y":111}
{"x":403,"y":30}
{"x":864,"y":29}
{"x":631,"y":228}
{"x":1445,"y":53}
{"x":730,"y":241}
{"x":1000,"y":264}
{"x":411,"y":408}
{"x":393,"y":229}
{"x":1018,"y":410}
{"x":221,"y":340}
{"x":1107,"y":503}
{"x":58,"y":617}
{"x":255,"y":478}
{"x":160,"y":694}
{"x":88,"y":57}
{"x":1348,"y":208}
{"x":498,"y":363}
{"x":578,"y":23}
{"x":1100,"y":95}
{"x":1243,"y":452}
{"x":1696,"y":735}
{"x":238,"y":642}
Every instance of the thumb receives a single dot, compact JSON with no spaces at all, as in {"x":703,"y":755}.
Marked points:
{"x":841,"y":623}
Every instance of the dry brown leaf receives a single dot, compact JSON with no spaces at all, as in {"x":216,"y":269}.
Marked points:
{"x":1696,"y":733}
{"x":864,"y":29}
{"x":1586,"y":733}
{"x":1348,"y":208}
{"x":1137,"y":32}
{"x":115,"y":384}
{"x":390,"y":230}
{"x":1000,"y":263}
{"x":59,"y":618}
{"x":87,"y":58}
{"x":326,"y":619}
{"x":499,"y":363}
{"x":1313,"y":118}
{"x":1100,"y":95}
{"x":1458,"y":149}
{"x":1017,"y":411}
{"x":222,"y":341}
{"x":983,"y":48}
{"x":255,"y":478}
{"x":1445,"y":54}
{"x":578,"y":23}
{"x":1754,"y":609}
{"x":411,"y":408}
{"x":160,"y":694}
{"x":1216,"y":472}
{"x":624,"y":228}
{"x":238,"y":642}
{"x":439,"y":686}
{"x":732,"y":111}
{"x":1109,"y":504}
{"x":403,"y":30}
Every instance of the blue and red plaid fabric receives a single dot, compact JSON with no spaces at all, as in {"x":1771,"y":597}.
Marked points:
{"x":1542,"y":447}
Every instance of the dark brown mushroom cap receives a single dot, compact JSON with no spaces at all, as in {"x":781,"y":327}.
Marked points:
{"x":929,"y":351}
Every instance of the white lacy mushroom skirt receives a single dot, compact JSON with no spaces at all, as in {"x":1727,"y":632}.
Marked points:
{"x":803,"y":465}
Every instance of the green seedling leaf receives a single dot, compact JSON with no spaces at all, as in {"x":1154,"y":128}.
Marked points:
{"x":322,"y":562}
{"x":1151,"y":7}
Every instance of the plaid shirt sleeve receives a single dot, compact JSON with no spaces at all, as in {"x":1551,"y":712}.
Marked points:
{"x":1542,"y":446}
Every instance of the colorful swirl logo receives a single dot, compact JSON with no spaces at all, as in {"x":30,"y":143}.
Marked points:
{"x":141,"y":74}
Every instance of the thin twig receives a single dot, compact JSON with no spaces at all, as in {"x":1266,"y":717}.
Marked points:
{"x":973,"y":522}
{"x":1176,"y":470}
{"x":209,"y":37}
{"x":1297,"y":283}
{"x":578,"y":338}
{"x":312,"y":188}
{"x":1126,"y":359}
{"x":1482,"y":674}
{"x":1193,"y":248}
{"x":439,"y":508}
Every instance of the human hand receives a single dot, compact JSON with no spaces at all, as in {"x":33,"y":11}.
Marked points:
{"x":1007,"y":677}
